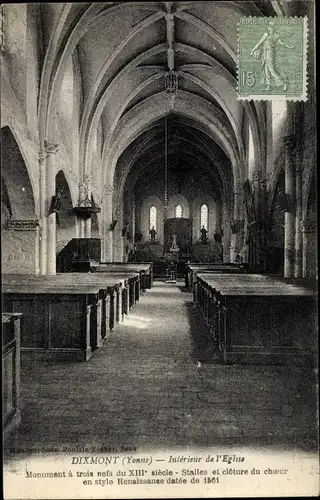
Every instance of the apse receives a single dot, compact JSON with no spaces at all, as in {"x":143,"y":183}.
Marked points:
{"x":173,"y":168}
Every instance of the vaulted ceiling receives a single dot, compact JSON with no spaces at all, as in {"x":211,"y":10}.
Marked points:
{"x":124,"y":51}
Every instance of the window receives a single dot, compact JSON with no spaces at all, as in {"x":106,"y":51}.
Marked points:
{"x":204,"y":216}
{"x":153,"y":218}
{"x":2,"y":34}
{"x":178,"y":211}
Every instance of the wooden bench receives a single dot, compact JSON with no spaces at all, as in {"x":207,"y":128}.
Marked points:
{"x":11,"y":371}
{"x":259,"y":319}
{"x":116,"y":294}
{"x":134,"y":279}
{"x":145,"y":271}
{"x":193,"y":270}
{"x":60,"y":319}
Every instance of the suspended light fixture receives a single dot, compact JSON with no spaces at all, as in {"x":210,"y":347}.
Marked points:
{"x":165,"y":168}
{"x":171,"y":83}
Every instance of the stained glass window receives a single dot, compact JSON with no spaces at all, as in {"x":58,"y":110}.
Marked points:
{"x":178,"y":211}
{"x":204,"y":216}
{"x":153,"y":218}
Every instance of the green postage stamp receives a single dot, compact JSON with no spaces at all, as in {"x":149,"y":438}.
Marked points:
{"x":272,"y":58}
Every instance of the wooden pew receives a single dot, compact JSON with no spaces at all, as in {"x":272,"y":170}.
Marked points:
{"x":110,"y":291}
{"x":144,"y":269}
{"x":133,"y":278}
{"x":114,"y":296}
{"x":60,"y":319}
{"x":11,"y":371}
{"x":193,"y":270}
{"x":259,"y":319}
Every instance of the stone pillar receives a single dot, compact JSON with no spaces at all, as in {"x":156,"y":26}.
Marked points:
{"x":310,"y":248}
{"x":81,"y":228}
{"x":51,"y":150}
{"x":263,"y":223}
{"x":107,"y":220}
{"x":289,"y":221}
{"x":42,"y":214}
{"x":226,"y":239}
{"x":234,"y":246}
{"x":133,"y":225}
{"x":298,"y":218}
{"x":255,"y":243}
{"x":37,"y":252}
{"x":87,"y":222}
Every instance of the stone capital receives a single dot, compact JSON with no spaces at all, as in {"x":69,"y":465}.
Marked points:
{"x":308,"y":226}
{"x":237,"y":187}
{"x":42,"y":156}
{"x":289,"y":142}
{"x":51,"y":148}
{"x":107,"y":190}
{"x":256,"y":175}
{"x":87,"y":179}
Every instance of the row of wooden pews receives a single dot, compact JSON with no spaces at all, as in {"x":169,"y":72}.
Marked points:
{"x":69,"y":315}
{"x":192,"y":270}
{"x":145,"y":271}
{"x":260,"y":319}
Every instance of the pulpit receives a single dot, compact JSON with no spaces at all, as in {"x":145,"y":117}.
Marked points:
{"x":79,"y":255}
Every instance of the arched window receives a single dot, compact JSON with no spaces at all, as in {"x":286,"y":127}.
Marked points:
{"x":178,"y":211}
{"x":153,"y":218}
{"x":204,"y":216}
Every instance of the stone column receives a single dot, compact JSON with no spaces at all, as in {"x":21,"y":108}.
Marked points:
{"x":310,"y":247}
{"x":226,"y":239}
{"x":87,"y":222}
{"x":107,"y":220}
{"x":298,"y":218}
{"x":51,"y":150}
{"x":234,"y":247}
{"x":42,"y":214}
{"x":133,"y":225}
{"x":289,"y":221}
{"x":263,"y":223}
{"x":255,"y":243}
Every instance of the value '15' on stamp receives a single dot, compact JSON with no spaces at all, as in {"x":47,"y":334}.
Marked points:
{"x":272,"y":58}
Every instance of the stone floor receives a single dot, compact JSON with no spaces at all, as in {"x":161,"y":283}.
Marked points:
{"x":146,"y":388}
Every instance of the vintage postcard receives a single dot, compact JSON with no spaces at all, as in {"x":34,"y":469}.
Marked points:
{"x":159,"y":250}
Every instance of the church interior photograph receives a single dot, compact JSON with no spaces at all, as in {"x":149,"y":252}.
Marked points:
{"x":158,"y":233}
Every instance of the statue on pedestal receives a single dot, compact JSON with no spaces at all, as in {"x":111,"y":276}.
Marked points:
{"x":153,"y":233}
{"x":174,"y":247}
{"x":204,"y":233}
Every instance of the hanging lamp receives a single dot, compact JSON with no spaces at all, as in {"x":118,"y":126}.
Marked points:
{"x":165,"y":168}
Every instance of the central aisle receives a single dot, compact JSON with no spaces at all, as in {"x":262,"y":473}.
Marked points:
{"x":146,"y":388}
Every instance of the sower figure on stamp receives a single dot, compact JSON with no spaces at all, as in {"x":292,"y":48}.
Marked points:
{"x":273,"y":76}
{"x":152,"y":233}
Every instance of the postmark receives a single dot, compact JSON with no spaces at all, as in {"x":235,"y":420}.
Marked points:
{"x":272,"y":58}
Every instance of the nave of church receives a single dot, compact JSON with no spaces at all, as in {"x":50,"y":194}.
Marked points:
{"x":158,"y":229}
